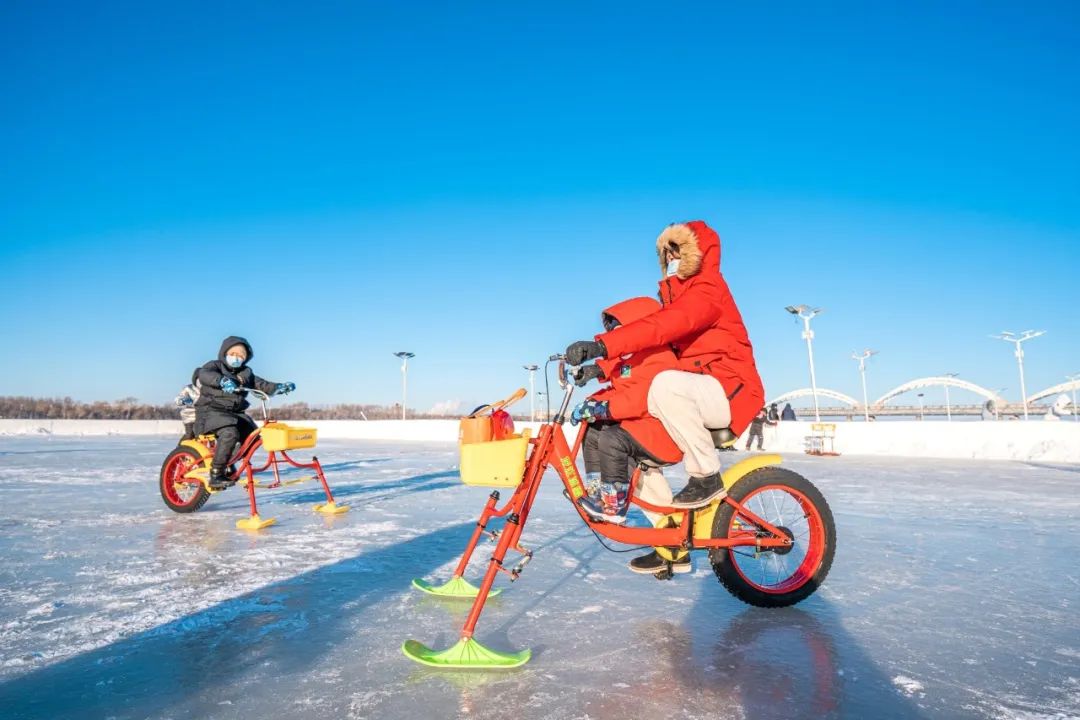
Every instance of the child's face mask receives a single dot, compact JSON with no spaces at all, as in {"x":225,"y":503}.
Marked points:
{"x":672,"y":267}
{"x":234,"y":361}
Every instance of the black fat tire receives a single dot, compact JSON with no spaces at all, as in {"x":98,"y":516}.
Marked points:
{"x":199,"y":500}
{"x":724,"y":565}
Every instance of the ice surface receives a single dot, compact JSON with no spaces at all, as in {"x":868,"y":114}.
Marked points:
{"x":954,"y":595}
{"x":1035,"y":441}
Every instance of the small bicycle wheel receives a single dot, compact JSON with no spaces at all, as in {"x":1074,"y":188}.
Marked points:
{"x":783,"y":576}
{"x":182,"y":496}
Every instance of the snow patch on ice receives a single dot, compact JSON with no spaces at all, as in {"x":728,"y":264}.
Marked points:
{"x":908,"y":686}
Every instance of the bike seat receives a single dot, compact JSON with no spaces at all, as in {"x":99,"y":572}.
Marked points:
{"x":723,"y":437}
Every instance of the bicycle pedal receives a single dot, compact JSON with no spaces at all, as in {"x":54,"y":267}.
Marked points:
{"x":666,"y":574}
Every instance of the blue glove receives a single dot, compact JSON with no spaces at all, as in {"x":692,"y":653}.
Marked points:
{"x":590,"y":411}
{"x":283,"y":388}
{"x":229,"y":385}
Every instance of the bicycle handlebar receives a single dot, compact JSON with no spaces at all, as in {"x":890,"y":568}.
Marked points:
{"x":566,"y":382}
{"x":263,"y":397}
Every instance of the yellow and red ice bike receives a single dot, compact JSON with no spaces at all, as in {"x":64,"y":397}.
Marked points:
{"x":770,"y":539}
{"x":184,"y":479}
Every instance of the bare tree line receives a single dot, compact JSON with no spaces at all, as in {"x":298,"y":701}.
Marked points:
{"x":30,"y":408}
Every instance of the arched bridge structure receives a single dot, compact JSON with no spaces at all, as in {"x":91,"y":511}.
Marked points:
{"x":937,"y":381}
{"x":1065,"y":387}
{"x":822,"y":393}
{"x":845,"y":405}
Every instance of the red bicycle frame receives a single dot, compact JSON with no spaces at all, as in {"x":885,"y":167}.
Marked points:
{"x":550,"y":449}
{"x":245,"y":468}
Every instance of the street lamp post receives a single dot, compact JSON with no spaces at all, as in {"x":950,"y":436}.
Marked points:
{"x":921,"y":417}
{"x":807,"y":314}
{"x":532,"y":390}
{"x":866,"y":355}
{"x":1074,"y":378}
{"x":1017,"y":340}
{"x":948,"y":405}
{"x":404,"y":377}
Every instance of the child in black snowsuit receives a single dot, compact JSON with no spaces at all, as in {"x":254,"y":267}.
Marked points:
{"x":221,"y":404}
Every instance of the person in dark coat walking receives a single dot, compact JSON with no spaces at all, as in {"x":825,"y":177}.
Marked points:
{"x":788,"y":412}
{"x":221,"y":404}
{"x":757,"y":429}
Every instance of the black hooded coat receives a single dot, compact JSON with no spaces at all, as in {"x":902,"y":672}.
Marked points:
{"x":216,"y":408}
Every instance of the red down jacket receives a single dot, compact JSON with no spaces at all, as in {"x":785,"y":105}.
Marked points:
{"x":630,"y":377}
{"x":699,"y":322}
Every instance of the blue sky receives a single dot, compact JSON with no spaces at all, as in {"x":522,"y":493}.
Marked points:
{"x":474,"y":182}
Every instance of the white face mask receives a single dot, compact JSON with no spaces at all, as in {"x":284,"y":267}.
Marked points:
{"x":672,"y":267}
{"x":234,"y":361}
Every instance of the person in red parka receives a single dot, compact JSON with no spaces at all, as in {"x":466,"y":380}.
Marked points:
{"x":622,"y":431}
{"x":717,"y":384}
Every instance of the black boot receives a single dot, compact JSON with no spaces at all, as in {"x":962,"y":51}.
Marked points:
{"x":218,"y":481}
{"x":699,"y":492}
{"x":652,"y":563}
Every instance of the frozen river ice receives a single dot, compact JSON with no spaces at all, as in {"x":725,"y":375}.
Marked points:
{"x":954,"y":594}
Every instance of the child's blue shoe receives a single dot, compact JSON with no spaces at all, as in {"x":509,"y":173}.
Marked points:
{"x":591,"y":486}
{"x":610,"y":506}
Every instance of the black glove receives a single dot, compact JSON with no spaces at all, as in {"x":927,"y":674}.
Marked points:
{"x":584,"y":350}
{"x":587,"y":373}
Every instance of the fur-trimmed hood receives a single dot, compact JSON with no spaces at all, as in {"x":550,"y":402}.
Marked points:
{"x":698,"y":244}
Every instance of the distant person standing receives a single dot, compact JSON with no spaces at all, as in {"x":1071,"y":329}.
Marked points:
{"x":788,"y":413}
{"x":757,"y":429}
{"x":774,"y":414}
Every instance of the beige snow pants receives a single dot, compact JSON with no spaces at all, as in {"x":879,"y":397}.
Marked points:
{"x":687,"y":405}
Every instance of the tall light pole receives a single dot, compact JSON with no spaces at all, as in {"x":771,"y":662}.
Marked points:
{"x":866,"y":355}
{"x":948,"y":405}
{"x":404,"y":377}
{"x":807,"y":314}
{"x":532,"y":390}
{"x":1017,"y":340}
{"x":921,"y":407}
{"x":1074,"y":378}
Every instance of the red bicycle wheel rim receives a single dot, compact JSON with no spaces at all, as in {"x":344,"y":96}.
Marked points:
{"x":814,"y":540}
{"x":177,"y":467}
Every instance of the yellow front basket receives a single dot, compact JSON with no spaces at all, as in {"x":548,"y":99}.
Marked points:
{"x":496,"y":463}
{"x":279,"y":436}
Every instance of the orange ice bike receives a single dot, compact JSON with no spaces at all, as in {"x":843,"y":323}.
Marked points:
{"x":770,"y":539}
